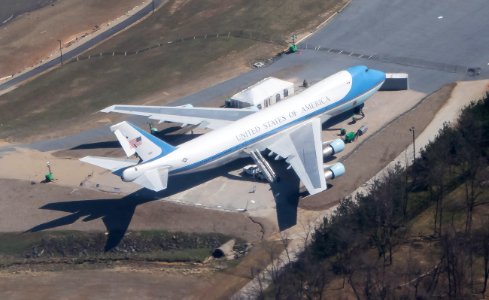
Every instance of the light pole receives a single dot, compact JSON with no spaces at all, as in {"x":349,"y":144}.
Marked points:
{"x":413,"y":131}
{"x":61,"y":52}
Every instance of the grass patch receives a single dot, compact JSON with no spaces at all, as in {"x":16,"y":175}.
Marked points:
{"x":74,"y":91}
{"x":11,"y":244}
{"x":78,"y":247}
{"x":88,"y":86}
{"x":193,"y":255}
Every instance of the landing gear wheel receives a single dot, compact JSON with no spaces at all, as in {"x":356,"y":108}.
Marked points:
{"x":359,"y":110}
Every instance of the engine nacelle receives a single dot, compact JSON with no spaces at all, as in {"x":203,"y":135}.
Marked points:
{"x":333,"y":147}
{"x":130,"y":174}
{"x":336,"y":170}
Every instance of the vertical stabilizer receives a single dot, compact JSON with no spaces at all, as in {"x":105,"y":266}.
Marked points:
{"x":135,"y":140}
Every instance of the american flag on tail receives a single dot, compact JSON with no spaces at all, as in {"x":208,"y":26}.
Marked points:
{"x":135,"y":142}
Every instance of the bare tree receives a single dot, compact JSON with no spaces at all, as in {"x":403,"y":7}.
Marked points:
{"x":453,"y":258}
{"x":485,"y":252}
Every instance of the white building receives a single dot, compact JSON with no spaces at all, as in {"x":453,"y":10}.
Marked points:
{"x":395,"y":82}
{"x":262,"y":94}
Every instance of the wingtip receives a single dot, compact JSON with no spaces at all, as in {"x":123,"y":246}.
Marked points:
{"x":108,"y":109}
{"x":84,"y":159}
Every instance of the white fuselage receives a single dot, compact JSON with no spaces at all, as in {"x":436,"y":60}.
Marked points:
{"x":325,"y":99}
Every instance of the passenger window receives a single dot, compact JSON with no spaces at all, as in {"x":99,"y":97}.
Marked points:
{"x":277,"y":98}
{"x":286,"y":93}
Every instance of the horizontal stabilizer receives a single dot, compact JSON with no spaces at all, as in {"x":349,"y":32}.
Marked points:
{"x":155,"y":179}
{"x":109,"y":163}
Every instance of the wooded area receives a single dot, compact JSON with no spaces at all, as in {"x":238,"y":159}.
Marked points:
{"x":417,"y":233}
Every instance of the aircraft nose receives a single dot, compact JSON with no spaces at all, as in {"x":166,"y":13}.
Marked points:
{"x":364,"y":74}
{"x":376,"y":75}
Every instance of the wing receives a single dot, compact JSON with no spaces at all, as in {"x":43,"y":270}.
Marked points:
{"x":205,"y":117}
{"x":302,"y":148}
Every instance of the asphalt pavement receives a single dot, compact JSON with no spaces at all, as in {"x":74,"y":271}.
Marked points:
{"x":435,"y":42}
{"x":82,"y":47}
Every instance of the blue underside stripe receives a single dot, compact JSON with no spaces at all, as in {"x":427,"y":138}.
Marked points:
{"x":267,"y":134}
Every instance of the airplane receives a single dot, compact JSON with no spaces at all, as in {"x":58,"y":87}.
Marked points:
{"x":290,"y":129}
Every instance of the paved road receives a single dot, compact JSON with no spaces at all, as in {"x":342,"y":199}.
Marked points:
{"x":434,"y":41}
{"x":82,"y":48}
{"x":10,"y":9}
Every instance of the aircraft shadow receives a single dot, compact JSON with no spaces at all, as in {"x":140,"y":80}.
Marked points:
{"x":116,"y":214}
{"x":174,"y":135}
{"x":97,"y":145}
{"x":328,"y":125}
{"x":286,"y":191}
{"x":175,"y":130}
{"x":176,"y":139}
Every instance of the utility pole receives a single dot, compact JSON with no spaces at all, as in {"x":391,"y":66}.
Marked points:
{"x":61,"y":52}
{"x":413,"y":131}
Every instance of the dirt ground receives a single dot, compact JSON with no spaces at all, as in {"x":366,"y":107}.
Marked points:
{"x":375,"y":153}
{"x":73,"y":208}
{"x":24,"y":206}
{"x":64,"y":205}
{"x":34,"y":36}
{"x":155,"y":282}
{"x":218,"y":71}
{"x":70,"y":94}
{"x":68,"y":207}
{"x":139,"y":280}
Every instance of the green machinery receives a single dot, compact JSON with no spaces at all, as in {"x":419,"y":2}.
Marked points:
{"x":152,"y":129}
{"x":49,"y":176}
{"x":293,"y":46}
{"x":350,"y":137}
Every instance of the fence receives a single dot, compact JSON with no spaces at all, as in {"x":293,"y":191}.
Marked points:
{"x":405,"y":61}
{"x":240,"y":34}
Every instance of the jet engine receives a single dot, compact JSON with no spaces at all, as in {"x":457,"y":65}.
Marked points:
{"x":130,"y":174}
{"x":333,"y":147}
{"x":333,"y":171}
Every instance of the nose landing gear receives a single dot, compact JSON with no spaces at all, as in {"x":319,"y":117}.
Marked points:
{"x":358,"y":114}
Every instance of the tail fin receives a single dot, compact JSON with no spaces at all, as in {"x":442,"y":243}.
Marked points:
{"x":135,"y":140}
